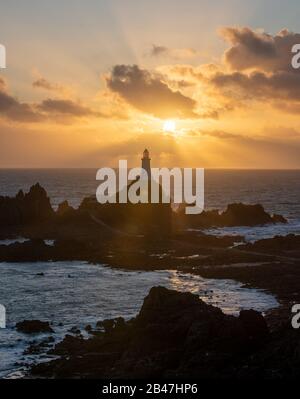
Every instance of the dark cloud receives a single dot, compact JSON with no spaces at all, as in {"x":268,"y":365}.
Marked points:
{"x":13,"y":109}
{"x":45,"y":84}
{"x":67,"y":107}
{"x":256,"y":67}
{"x":258,"y":85}
{"x":259,"y":50}
{"x":175,"y":53}
{"x":149,"y":93}
{"x":158,"y":50}
{"x":262,"y":70}
{"x":57,"y":110}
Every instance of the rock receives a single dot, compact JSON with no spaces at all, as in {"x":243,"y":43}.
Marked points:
{"x":26,"y":209}
{"x":74,"y":330}
{"x":254,"y":323}
{"x":279,"y":219}
{"x":64,"y":208}
{"x":36,"y":250}
{"x":245,"y":215}
{"x":276,"y":245}
{"x":110,"y":325}
{"x":34,"y":326}
{"x":235,"y":215}
{"x":38,"y":348}
{"x":174,"y":334}
{"x":70,"y":344}
{"x":28,"y":251}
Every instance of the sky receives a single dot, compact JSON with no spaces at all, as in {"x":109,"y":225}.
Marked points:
{"x":200,"y":83}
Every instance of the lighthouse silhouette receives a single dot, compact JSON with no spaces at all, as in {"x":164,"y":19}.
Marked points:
{"x":146,"y":163}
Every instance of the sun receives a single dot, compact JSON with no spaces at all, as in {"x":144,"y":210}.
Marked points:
{"x":169,"y":126}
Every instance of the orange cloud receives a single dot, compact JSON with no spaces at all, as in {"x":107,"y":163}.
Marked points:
{"x":149,"y":93}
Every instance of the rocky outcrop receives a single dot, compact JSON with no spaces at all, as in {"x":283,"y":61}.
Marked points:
{"x":34,"y":327}
{"x":32,"y":214}
{"x":37,"y":251}
{"x":174,"y":335}
{"x":26,"y":209}
{"x":28,"y":251}
{"x":248,"y":215}
{"x":289,"y":244}
{"x":235,"y":215}
{"x":64,"y":209}
{"x":152,"y":220}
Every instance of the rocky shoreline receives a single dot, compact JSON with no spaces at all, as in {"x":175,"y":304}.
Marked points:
{"x":249,"y":346}
{"x":176,"y":335}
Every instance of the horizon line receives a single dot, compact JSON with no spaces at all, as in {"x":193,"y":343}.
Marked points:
{"x":181,"y":167}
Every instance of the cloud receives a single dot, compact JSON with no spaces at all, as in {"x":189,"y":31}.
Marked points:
{"x":175,"y":53}
{"x":42,"y":83}
{"x":276,"y":132}
{"x":2,"y":84}
{"x":67,"y":107}
{"x":220,"y":134}
{"x":259,"y":50}
{"x":12,"y":109}
{"x":148,"y":93}
{"x":259,"y":70}
{"x":50,"y":110}
{"x":255,"y":69}
{"x":288,"y":107}
{"x":258,"y":85}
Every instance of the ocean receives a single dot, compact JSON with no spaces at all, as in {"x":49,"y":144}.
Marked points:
{"x":277,"y":190}
{"x":76,"y":293}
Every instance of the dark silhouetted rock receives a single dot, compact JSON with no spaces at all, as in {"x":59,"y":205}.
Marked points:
{"x":64,"y":209}
{"x":245,"y":215}
{"x":175,"y":334}
{"x":235,"y":215}
{"x":278,"y":244}
{"x":28,"y":251}
{"x":34,"y":326}
{"x":26,"y":209}
{"x":278,"y":219}
{"x":254,"y":323}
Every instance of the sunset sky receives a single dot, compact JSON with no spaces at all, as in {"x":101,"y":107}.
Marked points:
{"x":200,"y":83}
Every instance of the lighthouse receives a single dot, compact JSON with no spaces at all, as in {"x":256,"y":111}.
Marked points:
{"x":146,"y":163}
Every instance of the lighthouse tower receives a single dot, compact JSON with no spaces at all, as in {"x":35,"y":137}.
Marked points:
{"x":146,"y":163}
